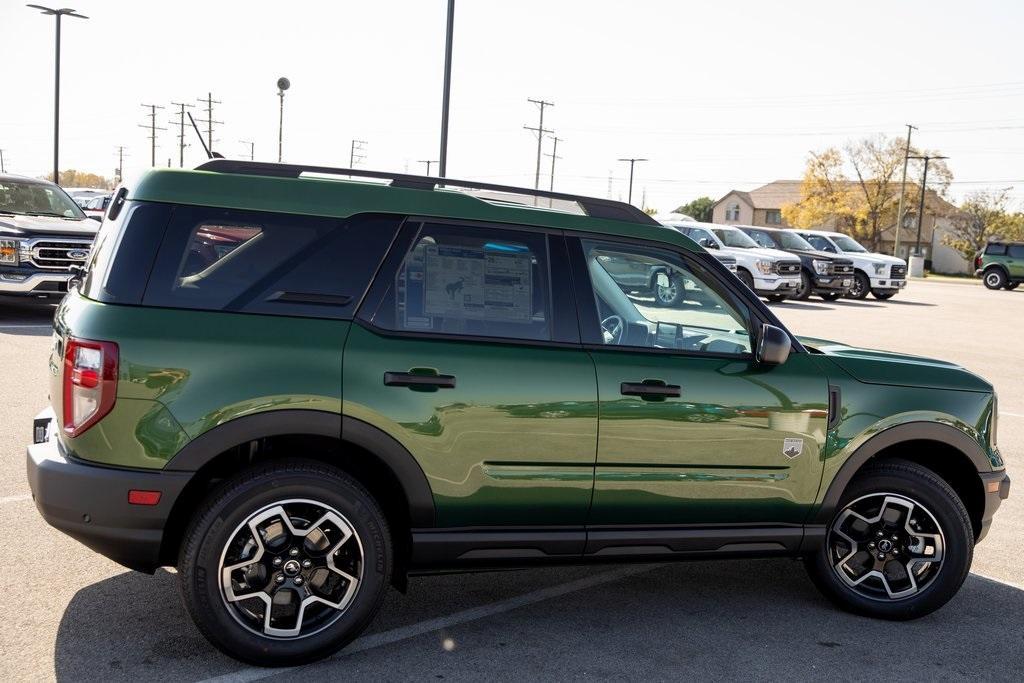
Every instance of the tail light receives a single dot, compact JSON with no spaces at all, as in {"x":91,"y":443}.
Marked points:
{"x":90,"y":383}
{"x":977,"y":261}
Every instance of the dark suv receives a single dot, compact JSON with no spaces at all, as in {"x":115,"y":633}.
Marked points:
{"x":827,"y":275}
{"x":299,"y":390}
{"x":1001,"y":265}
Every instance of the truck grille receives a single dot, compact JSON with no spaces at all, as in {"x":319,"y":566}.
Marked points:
{"x":898,"y":271}
{"x":788,"y":268}
{"x":58,"y":254}
{"x":842,"y":267}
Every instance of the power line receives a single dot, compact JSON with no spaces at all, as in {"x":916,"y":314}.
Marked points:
{"x":355,"y":154}
{"x":209,"y":120}
{"x":181,"y":131}
{"x":540,"y":131}
{"x":153,"y":128}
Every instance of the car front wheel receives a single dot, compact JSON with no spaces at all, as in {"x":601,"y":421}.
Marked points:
{"x":746,"y":278}
{"x":861,"y":286}
{"x":995,"y":278}
{"x":286,"y":563}
{"x":830,"y":296}
{"x":882,"y":295}
{"x":899,"y":546}
{"x":670,"y":295}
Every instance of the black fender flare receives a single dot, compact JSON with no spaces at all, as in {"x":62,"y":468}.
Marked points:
{"x":997,"y":266}
{"x":205,"y":447}
{"x":910,"y":431}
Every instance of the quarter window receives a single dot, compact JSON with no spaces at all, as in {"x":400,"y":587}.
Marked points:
{"x":459,"y":280}
{"x":996,"y":249}
{"x":652,"y":298}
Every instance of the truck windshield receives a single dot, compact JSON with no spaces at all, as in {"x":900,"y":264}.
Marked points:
{"x":28,"y":198}
{"x":734,"y":237}
{"x":791,"y":240}
{"x":847,"y":243}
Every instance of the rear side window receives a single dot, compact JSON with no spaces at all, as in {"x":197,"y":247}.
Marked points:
{"x":258,"y":262}
{"x":996,"y":249}
{"x":1016,"y":250}
{"x":123,"y":253}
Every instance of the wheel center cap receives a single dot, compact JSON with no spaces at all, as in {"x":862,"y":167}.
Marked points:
{"x":885,"y":545}
{"x":292,"y":568}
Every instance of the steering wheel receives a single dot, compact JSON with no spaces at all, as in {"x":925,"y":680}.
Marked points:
{"x":613,"y":327}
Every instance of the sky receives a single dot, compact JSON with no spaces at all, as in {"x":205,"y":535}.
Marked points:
{"x":717,"y":95}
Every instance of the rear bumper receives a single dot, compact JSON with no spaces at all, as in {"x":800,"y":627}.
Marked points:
{"x":33,"y":284}
{"x":997,"y":489}
{"x":90,"y":503}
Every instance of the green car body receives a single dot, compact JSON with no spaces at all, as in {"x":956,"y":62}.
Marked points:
{"x":1001,"y":265}
{"x":534,"y":455}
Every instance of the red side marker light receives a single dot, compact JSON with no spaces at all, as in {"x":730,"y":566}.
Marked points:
{"x":137,"y":497}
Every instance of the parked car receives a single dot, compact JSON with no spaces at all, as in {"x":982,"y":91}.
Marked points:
{"x":880,"y":274}
{"x":81,"y":195}
{"x":827,"y":275}
{"x":96,"y":207}
{"x":43,"y":235}
{"x":771,"y":273}
{"x":1001,"y":265}
{"x":350,"y":383}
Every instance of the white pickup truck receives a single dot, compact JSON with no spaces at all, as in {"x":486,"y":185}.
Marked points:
{"x":771,"y":273}
{"x":880,"y":274}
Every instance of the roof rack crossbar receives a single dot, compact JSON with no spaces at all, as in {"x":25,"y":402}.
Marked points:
{"x":593,"y":206}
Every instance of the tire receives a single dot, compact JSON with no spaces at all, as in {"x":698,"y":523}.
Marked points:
{"x":882,"y":296}
{"x":861,"y":286}
{"x":1013,"y":285}
{"x":830,"y":296}
{"x":994,"y":278}
{"x":669,"y":297}
{"x":352,"y":536}
{"x":803,"y":292}
{"x":938,"y":513}
{"x":746,"y":278}
{"x":776,"y":298}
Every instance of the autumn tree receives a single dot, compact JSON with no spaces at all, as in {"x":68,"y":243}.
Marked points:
{"x":865,"y":202}
{"x":700,"y":209}
{"x":983,"y":217}
{"x":73,"y":178}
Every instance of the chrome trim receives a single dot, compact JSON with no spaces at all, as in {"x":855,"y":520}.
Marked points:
{"x":31,"y":250}
{"x":31,"y":282}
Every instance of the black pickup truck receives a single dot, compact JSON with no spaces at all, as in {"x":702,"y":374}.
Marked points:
{"x":43,"y":234}
{"x":827,"y":275}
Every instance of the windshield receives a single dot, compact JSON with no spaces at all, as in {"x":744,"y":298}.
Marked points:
{"x":36,"y":199}
{"x":791,"y":240}
{"x":847,"y":243}
{"x":733,"y":237}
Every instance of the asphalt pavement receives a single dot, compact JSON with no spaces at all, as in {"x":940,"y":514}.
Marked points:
{"x":69,"y":614}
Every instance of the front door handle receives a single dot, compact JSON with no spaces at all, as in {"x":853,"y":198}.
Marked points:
{"x":650,"y":388}
{"x":417,"y":380}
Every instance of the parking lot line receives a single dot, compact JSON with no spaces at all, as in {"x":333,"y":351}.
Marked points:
{"x":375,"y":640}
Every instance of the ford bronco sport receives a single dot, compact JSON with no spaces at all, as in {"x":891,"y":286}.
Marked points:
{"x":1001,"y":265}
{"x":300,"y":389}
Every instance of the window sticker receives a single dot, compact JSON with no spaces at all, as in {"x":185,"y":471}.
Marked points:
{"x":477,"y":283}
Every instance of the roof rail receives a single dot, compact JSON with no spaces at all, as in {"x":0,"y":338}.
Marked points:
{"x":596,"y":208}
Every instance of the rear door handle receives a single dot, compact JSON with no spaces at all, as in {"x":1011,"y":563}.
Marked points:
{"x":650,"y":388}
{"x":412,"y":379}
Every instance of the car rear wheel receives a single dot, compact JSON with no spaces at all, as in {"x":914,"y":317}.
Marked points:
{"x":995,"y":278}
{"x":882,"y":295}
{"x":861,"y":286}
{"x":746,"y":278}
{"x":285,"y":563}
{"x":830,"y":296}
{"x":671,"y":295}
{"x":776,"y":298}
{"x":899,"y":547}
{"x":804,"y":290}
{"x":1013,"y":285}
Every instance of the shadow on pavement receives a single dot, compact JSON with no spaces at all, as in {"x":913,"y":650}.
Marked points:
{"x":17,"y":313}
{"x":857,"y":303}
{"x":789,"y":303}
{"x":904,"y":302}
{"x":760,"y":619}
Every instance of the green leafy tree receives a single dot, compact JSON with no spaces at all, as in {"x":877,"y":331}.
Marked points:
{"x":699,"y":208}
{"x":983,"y":217}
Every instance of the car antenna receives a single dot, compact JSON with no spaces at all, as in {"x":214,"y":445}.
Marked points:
{"x":209,"y":154}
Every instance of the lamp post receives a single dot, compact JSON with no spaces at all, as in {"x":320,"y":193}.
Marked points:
{"x":446,"y":91}
{"x":58,"y":13}
{"x":282,"y":85}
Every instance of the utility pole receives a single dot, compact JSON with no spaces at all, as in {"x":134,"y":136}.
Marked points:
{"x":181,"y":131}
{"x":209,"y":120}
{"x":632,"y":162}
{"x":903,"y":191}
{"x":428,"y":162}
{"x":153,"y":128}
{"x":355,"y":154}
{"x":57,"y":14}
{"x":252,"y":148}
{"x":540,"y":131}
{"x":554,"y":155}
{"x":2,"y":169}
{"x":446,"y":89}
{"x":120,"y":163}
{"x":924,"y":188}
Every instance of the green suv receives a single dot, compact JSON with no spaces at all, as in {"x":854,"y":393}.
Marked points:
{"x":1001,"y":265}
{"x":300,"y":389}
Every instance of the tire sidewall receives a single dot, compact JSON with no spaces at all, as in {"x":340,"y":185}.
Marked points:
{"x":804,"y":292}
{"x":200,"y":565}
{"x":863,"y":282}
{"x":958,"y":553}
{"x":994,"y":278}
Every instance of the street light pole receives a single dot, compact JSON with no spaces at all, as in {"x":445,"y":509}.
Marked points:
{"x":282,"y":85}
{"x":58,"y":13}
{"x":447,"y":91}
{"x":632,"y":162}
{"x":920,"y":205}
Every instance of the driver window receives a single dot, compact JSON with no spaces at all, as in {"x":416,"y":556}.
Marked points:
{"x":651,"y":298}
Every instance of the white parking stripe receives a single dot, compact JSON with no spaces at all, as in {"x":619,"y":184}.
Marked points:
{"x":14,"y":499}
{"x":25,"y":326}
{"x":404,"y":633}
{"x":1003,"y":412}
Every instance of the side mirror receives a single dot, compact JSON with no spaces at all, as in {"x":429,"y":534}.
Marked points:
{"x":773,"y":346}
{"x":708,"y":243}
